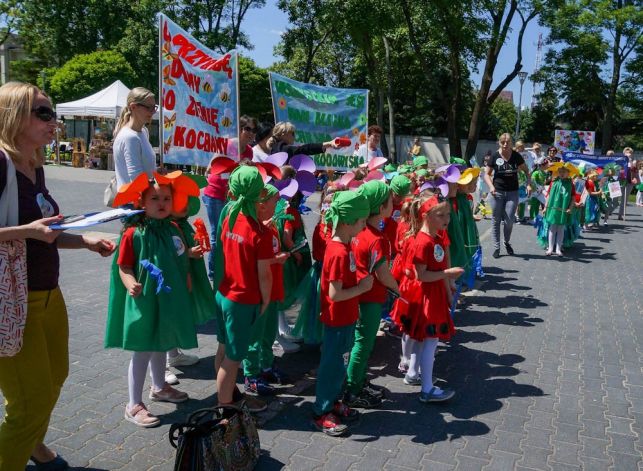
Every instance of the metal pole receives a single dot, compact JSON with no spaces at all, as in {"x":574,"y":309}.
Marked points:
{"x":518,"y":112}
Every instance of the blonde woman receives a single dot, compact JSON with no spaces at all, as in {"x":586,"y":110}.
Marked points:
{"x":133,"y":153}
{"x":501,"y":175}
{"x":283,"y":140}
{"x":31,"y":380}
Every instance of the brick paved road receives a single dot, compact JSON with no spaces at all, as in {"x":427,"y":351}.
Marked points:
{"x":546,"y":365}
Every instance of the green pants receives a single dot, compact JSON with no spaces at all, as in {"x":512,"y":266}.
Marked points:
{"x":262,"y":336}
{"x":365,"y":333}
{"x":534,"y":207}
{"x":521,"y":211}
{"x":238,"y":320}
{"x":332,"y":366}
{"x":31,"y":380}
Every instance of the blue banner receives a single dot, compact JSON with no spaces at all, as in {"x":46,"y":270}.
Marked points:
{"x":321,"y":114}
{"x":598,"y":160}
{"x":200,"y":102}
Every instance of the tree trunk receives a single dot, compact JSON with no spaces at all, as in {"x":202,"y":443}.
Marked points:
{"x":392,"y":154}
{"x":608,"y":123}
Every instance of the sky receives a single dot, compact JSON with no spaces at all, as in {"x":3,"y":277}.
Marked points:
{"x":265,"y":25}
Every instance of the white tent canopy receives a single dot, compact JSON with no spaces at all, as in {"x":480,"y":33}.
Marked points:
{"x":106,"y":103}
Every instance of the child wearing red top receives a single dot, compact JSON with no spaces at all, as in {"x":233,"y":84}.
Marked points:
{"x":308,"y":326}
{"x":258,"y":364}
{"x":431,"y":260}
{"x":340,"y":310}
{"x":246,"y":286}
{"x":372,"y":256}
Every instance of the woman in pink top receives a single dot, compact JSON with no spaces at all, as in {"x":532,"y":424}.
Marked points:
{"x":215,"y":194}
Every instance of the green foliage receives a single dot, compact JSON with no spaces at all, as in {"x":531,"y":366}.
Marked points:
{"x":85,"y":74}
{"x":499,"y":118}
{"x":254,"y":90}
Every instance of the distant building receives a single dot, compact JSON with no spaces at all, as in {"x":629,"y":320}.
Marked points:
{"x":506,"y":95}
{"x":10,"y":50}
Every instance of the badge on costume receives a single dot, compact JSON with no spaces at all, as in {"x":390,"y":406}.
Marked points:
{"x":500,"y":161}
{"x":353,"y":265}
{"x":275,"y":244}
{"x":178,"y":245}
{"x":438,"y":253}
{"x":46,"y":208}
{"x":396,"y":215}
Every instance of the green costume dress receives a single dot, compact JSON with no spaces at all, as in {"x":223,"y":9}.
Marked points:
{"x":560,"y":197}
{"x":293,"y":273}
{"x":538,"y":178}
{"x":202,"y":294}
{"x":557,"y":204}
{"x":151,"y":321}
{"x":455,"y":230}
{"x":470,"y":234}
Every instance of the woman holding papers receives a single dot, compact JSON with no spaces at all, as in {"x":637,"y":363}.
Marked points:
{"x":31,"y":379}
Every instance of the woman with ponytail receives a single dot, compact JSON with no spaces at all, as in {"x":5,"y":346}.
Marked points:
{"x":133,"y":153}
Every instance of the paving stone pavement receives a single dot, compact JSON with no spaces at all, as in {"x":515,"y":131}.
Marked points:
{"x":547,"y":365}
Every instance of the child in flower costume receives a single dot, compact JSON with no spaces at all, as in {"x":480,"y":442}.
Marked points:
{"x":558,"y":210}
{"x":150,"y":310}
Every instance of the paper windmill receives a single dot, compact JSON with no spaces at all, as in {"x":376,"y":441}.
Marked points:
{"x":268,"y":169}
{"x":304,"y":180}
{"x":349,"y":179}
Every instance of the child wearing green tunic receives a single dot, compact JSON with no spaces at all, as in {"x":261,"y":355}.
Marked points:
{"x":467,"y":185}
{"x":558,"y":209}
{"x":150,"y":313}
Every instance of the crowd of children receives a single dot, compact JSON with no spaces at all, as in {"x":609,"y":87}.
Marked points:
{"x":383,"y":246}
{"x":399,"y":244}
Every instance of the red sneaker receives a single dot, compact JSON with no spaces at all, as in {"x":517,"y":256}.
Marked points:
{"x":345,"y":413}
{"x":330,"y":424}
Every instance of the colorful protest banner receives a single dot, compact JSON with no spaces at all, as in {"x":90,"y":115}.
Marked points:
{"x":574,"y":141}
{"x":200,"y":102}
{"x":321,"y":114}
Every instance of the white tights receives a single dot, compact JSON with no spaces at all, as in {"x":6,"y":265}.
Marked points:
{"x":136,"y":374}
{"x":556,"y":234}
{"x":410,"y":351}
{"x":427,"y":358}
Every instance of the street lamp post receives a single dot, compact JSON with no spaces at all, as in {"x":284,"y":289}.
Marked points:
{"x":522,"y":76}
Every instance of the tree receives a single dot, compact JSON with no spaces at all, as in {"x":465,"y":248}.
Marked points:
{"x":254,"y":90}
{"x":599,"y":37}
{"x":216,"y":23}
{"x":500,"y":15}
{"x":445,"y":35}
{"x":85,"y":74}
{"x":500,"y":117}
{"x":7,"y":19}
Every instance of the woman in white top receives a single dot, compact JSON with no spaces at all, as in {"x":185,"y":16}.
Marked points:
{"x":261,"y":150}
{"x":133,"y":153}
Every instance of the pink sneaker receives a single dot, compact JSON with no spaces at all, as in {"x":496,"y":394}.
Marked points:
{"x":139,"y":415}
{"x":168,"y":394}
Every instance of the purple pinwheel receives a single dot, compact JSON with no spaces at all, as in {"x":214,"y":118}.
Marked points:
{"x":450,"y":173}
{"x":304,"y":180}
{"x":437,"y":184}
{"x":157,"y":274}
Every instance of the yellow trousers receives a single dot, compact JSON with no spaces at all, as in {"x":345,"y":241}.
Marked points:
{"x":31,"y":381}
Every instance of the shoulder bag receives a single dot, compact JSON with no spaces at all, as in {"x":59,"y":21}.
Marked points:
{"x":222,"y":438}
{"x":13,"y":266}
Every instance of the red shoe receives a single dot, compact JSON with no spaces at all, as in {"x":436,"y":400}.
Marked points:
{"x":345,"y":413}
{"x":330,"y":424}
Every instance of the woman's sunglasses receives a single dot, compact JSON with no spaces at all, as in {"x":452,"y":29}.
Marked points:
{"x":150,"y":108}
{"x":44,"y":113}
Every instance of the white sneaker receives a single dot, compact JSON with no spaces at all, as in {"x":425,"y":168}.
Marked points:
{"x":170,"y":378}
{"x":287,"y":346}
{"x":182,"y":359}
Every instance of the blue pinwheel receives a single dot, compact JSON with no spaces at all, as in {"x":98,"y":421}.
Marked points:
{"x":157,"y":274}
